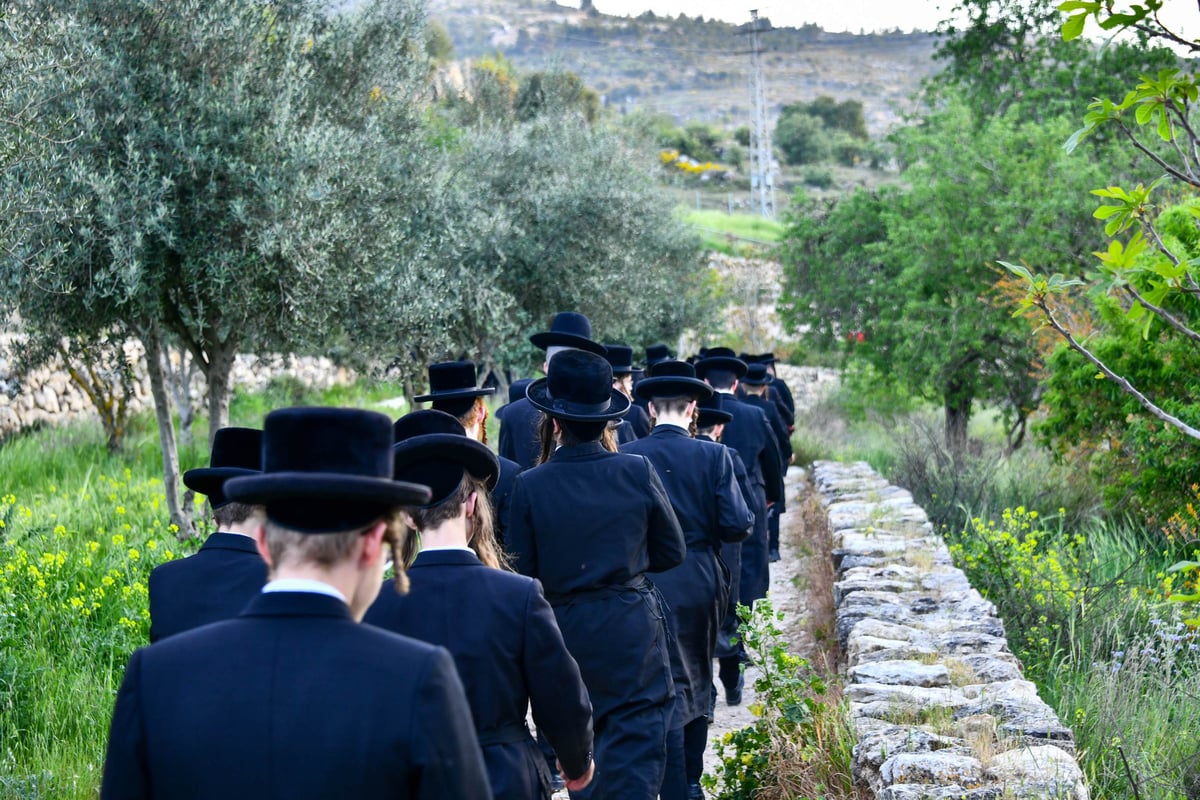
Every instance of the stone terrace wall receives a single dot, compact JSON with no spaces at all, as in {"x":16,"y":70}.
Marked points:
{"x":939,"y":704}
{"x":48,"y":396}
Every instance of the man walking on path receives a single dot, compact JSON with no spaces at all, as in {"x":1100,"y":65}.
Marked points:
{"x":519,"y":429}
{"x":755,"y":387}
{"x":749,"y":433}
{"x":699,"y":479}
{"x":226,"y":573}
{"x":293,"y":699}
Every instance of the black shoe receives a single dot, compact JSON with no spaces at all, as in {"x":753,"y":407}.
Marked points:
{"x":695,"y":792}
{"x":733,"y":696}
{"x":774,"y":556}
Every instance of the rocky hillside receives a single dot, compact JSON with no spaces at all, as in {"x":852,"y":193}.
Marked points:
{"x":694,"y":70}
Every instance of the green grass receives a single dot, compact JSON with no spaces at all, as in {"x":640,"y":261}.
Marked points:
{"x":80,"y":530}
{"x":733,"y":233}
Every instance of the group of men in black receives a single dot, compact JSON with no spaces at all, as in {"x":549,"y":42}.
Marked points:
{"x":586,"y":583}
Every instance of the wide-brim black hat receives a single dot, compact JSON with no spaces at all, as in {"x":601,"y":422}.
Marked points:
{"x":568,"y":329}
{"x":711,"y":412}
{"x":578,"y":388}
{"x":757,"y":375}
{"x":453,"y":380}
{"x":326,"y":470}
{"x":672,"y":379}
{"x":656,"y":354}
{"x":620,"y":356}
{"x":433,"y":447}
{"x":720,"y":359}
{"x":236,"y":452}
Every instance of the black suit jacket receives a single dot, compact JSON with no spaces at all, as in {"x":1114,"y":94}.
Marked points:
{"x":782,"y":394}
{"x":783,"y":439}
{"x":213,"y":584}
{"x":509,"y":653}
{"x":699,"y":478}
{"x":519,"y":422}
{"x":290,"y":701}
{"x":750,"y":434}
{"x":509,"y":470}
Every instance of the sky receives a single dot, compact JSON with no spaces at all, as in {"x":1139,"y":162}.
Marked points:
{"x":837,"y":15}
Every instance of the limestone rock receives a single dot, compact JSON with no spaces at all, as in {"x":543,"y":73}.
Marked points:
{"x":904,"y":673}
{"x":932,"y":768}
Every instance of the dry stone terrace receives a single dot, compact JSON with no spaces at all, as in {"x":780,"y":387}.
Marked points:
{"x":939,"y":704}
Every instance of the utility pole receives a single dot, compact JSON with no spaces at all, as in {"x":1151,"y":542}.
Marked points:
{"x":762,"y":175}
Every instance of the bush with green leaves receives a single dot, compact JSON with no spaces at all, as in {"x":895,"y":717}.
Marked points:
{"x":798,"y":745}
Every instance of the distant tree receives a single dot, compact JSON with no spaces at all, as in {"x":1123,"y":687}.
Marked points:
{"x":845,"y":116}
{"x":742,"y":135}
{"x":439,"y":45}
{"x":802,"y":139}
{"x":557,"y":91}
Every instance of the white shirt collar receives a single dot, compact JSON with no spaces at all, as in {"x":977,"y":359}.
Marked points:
{"x":726,"y":391}
{"x":303,"y":585}
{"x":426,"y":549}
{"x":658,"y":424}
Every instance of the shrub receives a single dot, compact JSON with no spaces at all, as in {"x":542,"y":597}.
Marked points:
{"x":820,"y":177}
{"x":799,"y":744}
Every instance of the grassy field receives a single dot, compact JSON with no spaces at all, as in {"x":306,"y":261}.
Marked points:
{"x":80,"y":530}
{"x":735,"y":233}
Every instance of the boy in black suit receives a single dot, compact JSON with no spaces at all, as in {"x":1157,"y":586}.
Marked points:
{"x":293,"y":698}
{"x":226,"y":573}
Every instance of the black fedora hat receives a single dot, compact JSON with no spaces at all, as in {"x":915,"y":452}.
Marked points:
{"x":516,"y":389}
{"x":453,"y":380}
{"x":765,"y":358}
{"x":757,"y":375}
{"x":235,"y":452}
{"x":620,"y":357}
{"x":568,"y":329}
{"x":433,"y":448}
{"x":712,"y":412}
{"x":672,"y":379}
{"x":655,"y":354}
{"x":719,"y":358}
{"x":578,"y":387}
{"x":326,"y":470}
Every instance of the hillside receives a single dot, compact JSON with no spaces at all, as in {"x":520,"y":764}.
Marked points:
{"x":692,"y":69}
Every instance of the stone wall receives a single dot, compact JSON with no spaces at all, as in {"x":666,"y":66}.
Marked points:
{"x":940,"y":707}
{"x":49,"y":396}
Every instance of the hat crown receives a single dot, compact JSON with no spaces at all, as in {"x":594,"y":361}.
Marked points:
{"x":516,"y":389}
{"x":576,"y":376}
{"x":717,"y":352}
{"x":449,"y":375}
{"x":756,"y":373}
{"x":674,"y":369}
{"x":425,"y":422}
{"x":713,"y":403}
{"x":656,"y":353}
{"x":620,"y":356}
{"x":237,"y":447}
{"x":343,"y":441}
{"x":571,"y":322}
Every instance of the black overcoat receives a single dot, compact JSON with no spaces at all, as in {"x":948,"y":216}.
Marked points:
{"x":292,"y":700}
{"x":213,"y":584}
{"x":519,"y":422}
{"x":782,"y":394}
{"x":589,"y":524}
{"x":639,"y":419}
{"x":750,"y":434}
{"x":510,"y":655}
{"x":731,"y":554}
{"x":699,"y":479}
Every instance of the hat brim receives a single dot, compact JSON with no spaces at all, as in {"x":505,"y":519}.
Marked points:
{"x":709,"y":418}
{"x":474,"y":456}
{"x":538,"y":394}
{"x":548,"y":339}
{"x":672,"y":386}
{"x":209,"y":480}
{"x":725,"y":363}
{"x":274,"y":486}
{"x":454,"y":394}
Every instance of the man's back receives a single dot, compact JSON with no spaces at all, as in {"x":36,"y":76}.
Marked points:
{"x":519,"y":432}
{"x":211,"y":585}
{"x":292,"y":700}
